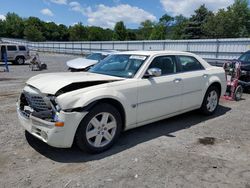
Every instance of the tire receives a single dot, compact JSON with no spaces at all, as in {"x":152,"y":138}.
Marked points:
{"x":238,"y":93}
{"x":210,"y":101}
{"x":19,"y":60}
{"x":95,"y":136}
{"x":43,"y":66}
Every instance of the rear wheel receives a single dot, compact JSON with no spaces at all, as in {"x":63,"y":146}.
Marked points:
{"x":238,"y":93}
{"x":43,"y":66}
{"x":99,"y":129}
{"x":19,"y":60}
{"x":210,"y":101}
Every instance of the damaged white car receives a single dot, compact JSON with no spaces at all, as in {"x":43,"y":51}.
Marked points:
{"x":126,"y":90}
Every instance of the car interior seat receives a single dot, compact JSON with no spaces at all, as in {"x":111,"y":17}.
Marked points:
{"x":166,"y":65}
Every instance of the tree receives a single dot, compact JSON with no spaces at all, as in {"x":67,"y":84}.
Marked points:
{"x":78,"y":32}
{"x":232,"y":22}
{"x":34,"y":29}
{"x":2,"y":29}
{"x":145,"y":30}
{"x":64,"y":33}
{"x":158,"y":33}
{"x":178,"y":28}
{"x":194,"y":29}
{"x":131,"y":35}
{"x":33,"y":21}
{"x":32,"y":33}
{"x":108,"y":35}
{"x":51,"y":31}
{"x":95,"y":33}
{"x":120,"y":31}
{"x":166,"y":21}
{"x":241,"y":18}
{"x":14,"y":26}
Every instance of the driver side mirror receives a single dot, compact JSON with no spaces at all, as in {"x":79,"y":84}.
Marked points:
{"x":153,"y":72}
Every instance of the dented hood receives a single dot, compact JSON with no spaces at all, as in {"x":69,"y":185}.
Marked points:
{"x":81,"y":63}
{"x":50,"y":83}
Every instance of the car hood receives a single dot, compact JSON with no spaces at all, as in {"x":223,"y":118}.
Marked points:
{"x":51,"y":83}
{"x":81,"y":63}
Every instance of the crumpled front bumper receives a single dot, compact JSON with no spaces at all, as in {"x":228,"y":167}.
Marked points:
{"x":61,"y":137}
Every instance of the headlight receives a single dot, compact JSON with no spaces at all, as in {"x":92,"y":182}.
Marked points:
{"x":56,"y":117}
{"x":58,"y":108}
{"x":54,"y":103}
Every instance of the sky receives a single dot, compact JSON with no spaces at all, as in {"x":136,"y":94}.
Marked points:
{"x":105,"y":13}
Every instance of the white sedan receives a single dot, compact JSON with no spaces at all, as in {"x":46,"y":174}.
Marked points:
{"x":84,"y":63}
{"x":126,"y":90}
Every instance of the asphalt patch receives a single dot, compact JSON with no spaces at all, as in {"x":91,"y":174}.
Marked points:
{"x":207,"y":141}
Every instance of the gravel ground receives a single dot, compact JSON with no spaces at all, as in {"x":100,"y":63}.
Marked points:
{"x":169,"y":153}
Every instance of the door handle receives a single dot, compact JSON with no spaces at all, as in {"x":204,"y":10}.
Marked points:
{"x":205,"y":75}
{"x":177,"y":80}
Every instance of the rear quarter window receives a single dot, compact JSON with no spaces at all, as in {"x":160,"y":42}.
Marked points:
{"x":189,"y":63}
{"x":11,"y":48}
{"x":22,"y":48}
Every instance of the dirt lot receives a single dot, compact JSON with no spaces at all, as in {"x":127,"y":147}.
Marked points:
{"x":169,"y":153}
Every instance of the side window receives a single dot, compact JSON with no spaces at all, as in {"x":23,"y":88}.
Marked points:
{"x":11,"y":48}
{"x":167,"y":64}
{"x":22,"y":48}
{"x":188,"y":63}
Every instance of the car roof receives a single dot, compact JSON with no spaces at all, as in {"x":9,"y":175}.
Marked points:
{"x":151,"y":53}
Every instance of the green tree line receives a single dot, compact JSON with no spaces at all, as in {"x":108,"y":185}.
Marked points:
{"x":232,"y":22}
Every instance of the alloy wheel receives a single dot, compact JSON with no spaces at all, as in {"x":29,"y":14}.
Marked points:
{"x":101,"y":129}
{"x":212,"y":101}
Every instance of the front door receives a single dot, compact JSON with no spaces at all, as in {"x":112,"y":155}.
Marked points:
{"x":159,"y":96}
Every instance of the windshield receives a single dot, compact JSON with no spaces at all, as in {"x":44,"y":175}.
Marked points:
{"x":245,"y":57}
{"x":96,"y":56}
{"x":119,"y":65}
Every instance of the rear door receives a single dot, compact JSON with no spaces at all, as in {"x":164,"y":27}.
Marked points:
{"x":194,"y":78}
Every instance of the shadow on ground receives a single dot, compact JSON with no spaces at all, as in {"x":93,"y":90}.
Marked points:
{"x":2,"y":64}
{"x":128,"y":139}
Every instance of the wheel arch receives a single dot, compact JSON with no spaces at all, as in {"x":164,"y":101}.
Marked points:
{"x":117,"y":104}
{"x":203,"y":109}
{"x":19,"y":55}
{"x":216,"y":84}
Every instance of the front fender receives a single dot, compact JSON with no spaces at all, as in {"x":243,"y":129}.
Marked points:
{"x":82,"y":99}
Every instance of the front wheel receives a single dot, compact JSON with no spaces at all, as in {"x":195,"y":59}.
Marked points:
{"x":210,"y":101}
{"x":99,"y":129}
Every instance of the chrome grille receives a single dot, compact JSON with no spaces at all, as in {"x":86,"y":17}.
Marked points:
{"x":36,"y":102}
